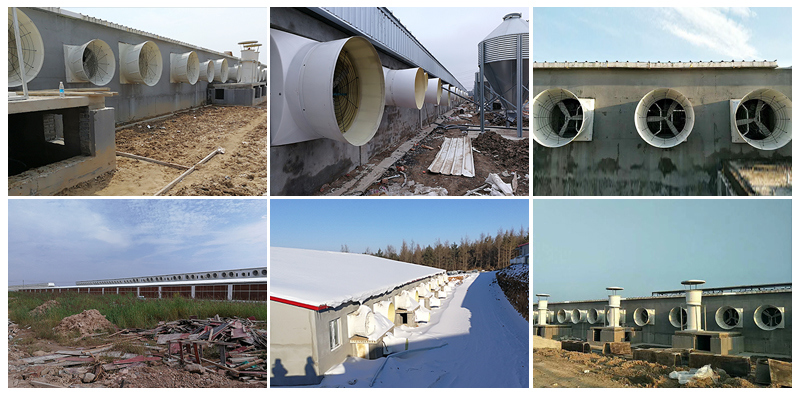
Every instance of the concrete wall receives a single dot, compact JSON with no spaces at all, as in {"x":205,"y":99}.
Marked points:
{"x":135,"y":101}
{"x":618,"y":162}
{"x":302,"y":168}
{"x":88,"y":150}
{"x":293,"y":345}
{"x":778,"y":341}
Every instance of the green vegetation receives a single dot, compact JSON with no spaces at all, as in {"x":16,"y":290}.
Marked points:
{"x":125,"y":311}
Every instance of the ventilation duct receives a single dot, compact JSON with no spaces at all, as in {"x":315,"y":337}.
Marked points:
{"x":441,"y":294}
{"x":433,"y":94}
{"x":563,"y":316}
{"x":184,"y":68}
{"x":221,"y":70}
{"x":435,"y":302}
{"x":140,"y":64}
{"x":614,"y":313}
{"x":422,"y":314}
{"x":664,"y":118}
{"x":729,"y":318}
{"x":769,"y":317}
{"x":207,"y":71}
{"x":644,"y":316}
{"x":694,"y":301}
{"x":32,"y":49}
{"x":405,"y":88}
{"x":385,"y":308}
{"x":595,"y":316}
{"x":678,"y":317}
{"x":405,"y":300}
{"x":91,"y":62}
{"x":762,"y":119}
{"x":444,"y":100}
{"x":560,"y":117}
{"x":331,"y":90}
{"x":361,"y":322}
{"x":578,"y":315}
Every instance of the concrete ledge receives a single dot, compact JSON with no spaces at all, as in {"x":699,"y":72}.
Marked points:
{"x":576,"y":346}
{"x":647,"y":355}
{"x":669,"y":358}
{"x":735,"y":366}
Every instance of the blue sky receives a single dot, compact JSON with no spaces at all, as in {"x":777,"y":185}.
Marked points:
{"x":65,"y":240}
{"x":327,"y":224}
{"x":662,"y":34}
{"x":580,"y":247}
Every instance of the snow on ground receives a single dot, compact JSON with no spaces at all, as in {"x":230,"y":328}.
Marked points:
{"x":476,"y":339}
{"x":331,"y":278}
{"x":519,"y":271}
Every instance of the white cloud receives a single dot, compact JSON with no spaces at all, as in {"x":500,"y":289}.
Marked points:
{"x":711,"y":29}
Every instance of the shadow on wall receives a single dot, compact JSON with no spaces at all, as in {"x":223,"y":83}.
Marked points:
{"x":279,"y":375}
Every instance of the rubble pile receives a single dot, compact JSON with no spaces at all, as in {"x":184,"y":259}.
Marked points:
{"x":512,"y":154}
{"x":215,"y":352}
{"x":44,"y":307}
{"x":85,"y":323}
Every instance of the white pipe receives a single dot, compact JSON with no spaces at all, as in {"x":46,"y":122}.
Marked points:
{"x":405,"y":88}
{"x":559,"y":117}
{"x":542,"y":308}
{"x":694,"y":299}
{"x":664,"y":118}
{"x":613,"y":314}
{"x":434,"y":92}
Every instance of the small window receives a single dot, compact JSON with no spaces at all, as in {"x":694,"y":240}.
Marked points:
{"x":219,"y":94}
{"x":334,"y":327}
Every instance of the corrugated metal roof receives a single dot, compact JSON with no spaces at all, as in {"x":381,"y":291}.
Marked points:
{"x":386,"y":32}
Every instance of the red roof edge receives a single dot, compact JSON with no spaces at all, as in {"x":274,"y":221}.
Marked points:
{"x":298,"y":304}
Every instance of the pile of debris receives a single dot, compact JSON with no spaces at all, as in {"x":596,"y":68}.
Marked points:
{"x":512,"y":154}
{"x":86,"y":323}
{"x":178,"y":353}
{"x":44,"y":307}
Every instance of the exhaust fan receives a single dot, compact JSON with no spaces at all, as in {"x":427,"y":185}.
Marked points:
{"x":664,"y":118}
{"x":221,"y":70}
{"x":140,"y":64}
{"x":91,"y":62}
{"x":207,"y":71}
{"x":644,"y":316}
{"x":405,"y":88}
{"x":560,"y":117}
{"x":596,"y":316}
{"x":184,"y":68}
{"x":32,"y":49}
{"x":728,"y":317}
{"x":444,"y":100}
{"x":331,"y":89}
{"x":434,"y":92}
{"x":762,"y":119}
{"x":769,"y":317}
{"x":563,"y":316}
{"x":361,"y":322}
{"x":578,"y":315}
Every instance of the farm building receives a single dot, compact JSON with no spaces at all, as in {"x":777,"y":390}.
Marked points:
{"x":248,"y":284}
{"x":326,"y":306}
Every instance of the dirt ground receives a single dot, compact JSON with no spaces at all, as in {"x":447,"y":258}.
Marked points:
{"x":495,"y":154}
{"x":553,"y":368}
{"x":185,"y":139}
{"x":23,"y":344}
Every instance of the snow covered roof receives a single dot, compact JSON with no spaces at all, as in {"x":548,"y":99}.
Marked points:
{"x":328,"y":279}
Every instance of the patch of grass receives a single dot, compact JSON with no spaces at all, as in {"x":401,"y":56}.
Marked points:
{"x":125,"y":311}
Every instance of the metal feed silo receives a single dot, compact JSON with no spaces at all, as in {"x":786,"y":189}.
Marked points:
{"x":499,"y":56}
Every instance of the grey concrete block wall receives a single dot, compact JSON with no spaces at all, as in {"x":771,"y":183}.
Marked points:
{"x":135,"y":101}
{"x":756,"y":340}
{"x":618,"y":162}
{"x":302,"y":168}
